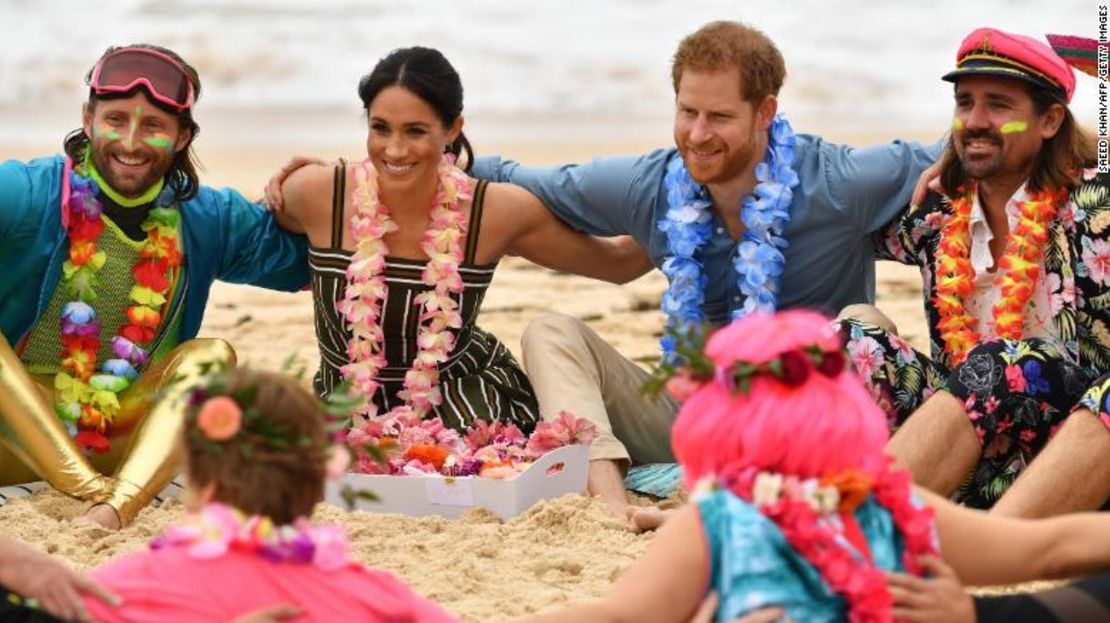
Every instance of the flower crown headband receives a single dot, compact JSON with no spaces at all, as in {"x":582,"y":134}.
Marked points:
{"x":693,"y":368}
{"x":222,"y":419}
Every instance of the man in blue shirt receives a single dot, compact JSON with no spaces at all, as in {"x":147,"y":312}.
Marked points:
{"x":801,"y":241}
{"x":108,"y":256}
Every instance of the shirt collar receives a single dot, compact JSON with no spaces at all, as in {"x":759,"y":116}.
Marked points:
{"x":978,"y":217}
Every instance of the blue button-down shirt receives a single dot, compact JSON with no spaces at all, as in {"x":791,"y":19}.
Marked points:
{"x":844,"y":195}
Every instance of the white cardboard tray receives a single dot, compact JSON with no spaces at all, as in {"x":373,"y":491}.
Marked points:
{"x":555,"y":474}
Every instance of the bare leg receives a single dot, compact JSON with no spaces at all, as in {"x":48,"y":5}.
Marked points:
{"x":937,"y":444}
{"x":1071,"y":474}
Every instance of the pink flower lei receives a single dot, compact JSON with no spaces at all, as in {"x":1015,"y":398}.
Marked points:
{"x":218,"y":529}
{"x":366,"y":289}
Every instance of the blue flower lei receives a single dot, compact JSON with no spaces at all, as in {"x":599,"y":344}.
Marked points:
{"x":759,"y":259}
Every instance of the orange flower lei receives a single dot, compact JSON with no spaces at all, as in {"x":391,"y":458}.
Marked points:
{"x":1020,"y":265}
{"x":87,"y":400}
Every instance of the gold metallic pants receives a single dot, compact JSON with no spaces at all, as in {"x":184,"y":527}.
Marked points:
{"x":144,"y":438}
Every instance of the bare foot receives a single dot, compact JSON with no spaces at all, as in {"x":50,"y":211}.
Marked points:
{"x":606,"y":481}
{"x":648,"y":519}
{"x":104,"y":516}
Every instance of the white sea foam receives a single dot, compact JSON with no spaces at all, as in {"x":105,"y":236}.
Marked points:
{"x":856,"y":63}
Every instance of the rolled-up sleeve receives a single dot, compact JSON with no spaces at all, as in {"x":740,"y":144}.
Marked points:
{"x":595,"y":198}
{"x":874,"y":184}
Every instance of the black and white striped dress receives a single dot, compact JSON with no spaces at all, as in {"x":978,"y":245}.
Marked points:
{"x":480,"y":379}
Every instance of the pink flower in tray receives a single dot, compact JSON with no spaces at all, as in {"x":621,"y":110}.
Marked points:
{"x":565,"y":430}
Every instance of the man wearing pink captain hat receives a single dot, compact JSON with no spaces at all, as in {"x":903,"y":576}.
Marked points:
{"x":1015,"y":259}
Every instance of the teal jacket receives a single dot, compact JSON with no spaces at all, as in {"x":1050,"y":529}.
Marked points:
{"x":224,"y":236}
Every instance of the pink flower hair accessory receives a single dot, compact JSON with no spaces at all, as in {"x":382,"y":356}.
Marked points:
{"x":219,"y":418}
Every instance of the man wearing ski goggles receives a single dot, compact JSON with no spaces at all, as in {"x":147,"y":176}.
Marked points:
{"x":109,"y":254}
{"x":164,"y":79}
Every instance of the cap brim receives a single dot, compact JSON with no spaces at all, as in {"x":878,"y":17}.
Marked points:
{"x":1001,"y":71}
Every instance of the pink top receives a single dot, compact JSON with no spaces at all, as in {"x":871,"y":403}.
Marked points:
{"x":170,"y":585}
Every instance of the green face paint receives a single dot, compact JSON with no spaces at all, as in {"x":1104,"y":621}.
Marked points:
{"x":957,"y":124}
{"x":1014,"y":127}
{"x":158,"y":142}
{"x":106,"y":132}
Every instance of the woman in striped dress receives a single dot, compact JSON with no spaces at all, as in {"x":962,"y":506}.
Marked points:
{"x":397,"y":289}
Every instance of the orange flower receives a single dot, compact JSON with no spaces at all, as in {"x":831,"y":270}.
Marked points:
{"x":160,"y":246}
{"x":80,"y":252}
{"x":143,"y":316}
{"x":433,"y":455}
{"x":219,"y":418}
{"x":853,"y":485}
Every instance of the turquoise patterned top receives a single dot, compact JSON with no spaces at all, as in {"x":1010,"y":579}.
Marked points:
{"x":752,"y":566}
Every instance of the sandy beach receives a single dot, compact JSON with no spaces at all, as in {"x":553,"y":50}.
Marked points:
{"x":480,"y":568}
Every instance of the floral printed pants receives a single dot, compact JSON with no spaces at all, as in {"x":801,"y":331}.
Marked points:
{"x":1016,"y":394}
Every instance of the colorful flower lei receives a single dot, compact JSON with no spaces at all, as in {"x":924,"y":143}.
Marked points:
{"x":759,"y":253}
{"x":811,"y":513}
{"x":1020,"y":265}
{"x":218,"y":529}
{"x":366,"y":289}
{"x":388,"y":445}
{"x":86,"y":400}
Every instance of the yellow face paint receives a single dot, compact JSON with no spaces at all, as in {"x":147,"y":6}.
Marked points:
{"x":1014,"y":127}
{"x":957,"y":124}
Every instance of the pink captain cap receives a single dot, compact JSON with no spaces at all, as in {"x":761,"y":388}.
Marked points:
{"x":991,"y":52}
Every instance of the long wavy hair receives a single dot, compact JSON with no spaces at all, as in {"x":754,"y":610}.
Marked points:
{"x":1060,"y":162}
{"x":182,"y":177}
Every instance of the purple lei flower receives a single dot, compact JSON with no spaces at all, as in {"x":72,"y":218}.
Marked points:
{"x":79,"y":319}
{"x":126,"y":349}
{"x":82,"y":197}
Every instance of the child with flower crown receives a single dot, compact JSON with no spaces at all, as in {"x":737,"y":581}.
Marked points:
{"x":257,"y":451}
{"x":796,"y":505}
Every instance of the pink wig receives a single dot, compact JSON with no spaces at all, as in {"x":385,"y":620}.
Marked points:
{"x":822,"y":426}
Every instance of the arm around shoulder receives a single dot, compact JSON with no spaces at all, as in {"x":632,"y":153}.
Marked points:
{"x":874,"y":184}
{"x":530,"y":230}
{"x":254,"y":250}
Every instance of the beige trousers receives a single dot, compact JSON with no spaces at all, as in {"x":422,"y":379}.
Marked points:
{"x":573,"y":369}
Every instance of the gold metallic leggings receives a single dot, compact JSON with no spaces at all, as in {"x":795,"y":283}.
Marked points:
{"x":145,"y":435}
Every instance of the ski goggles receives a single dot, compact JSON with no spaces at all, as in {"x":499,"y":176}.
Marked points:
{"x":163,"y":78}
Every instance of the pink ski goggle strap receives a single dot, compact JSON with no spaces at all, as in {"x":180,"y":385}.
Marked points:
{"x":163,"y":77}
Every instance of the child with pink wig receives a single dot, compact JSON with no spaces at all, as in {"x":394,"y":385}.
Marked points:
{"x":796,"y":506}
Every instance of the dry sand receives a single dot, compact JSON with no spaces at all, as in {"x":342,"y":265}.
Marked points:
{"x":478,"y":567}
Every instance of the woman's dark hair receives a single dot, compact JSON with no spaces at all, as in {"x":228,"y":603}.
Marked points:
{"x":428,"y":75}
{"x":182,"y":177}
